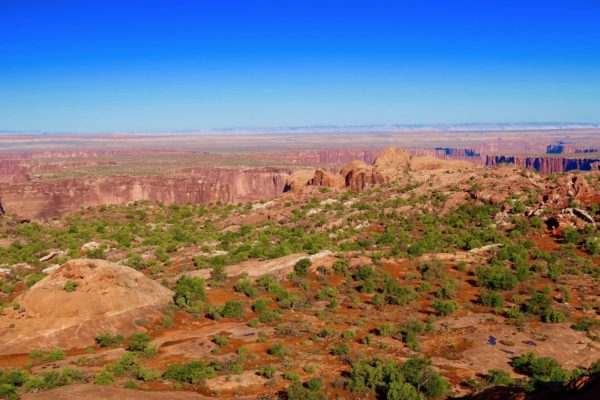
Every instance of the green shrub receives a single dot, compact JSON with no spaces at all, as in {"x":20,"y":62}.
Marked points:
{"x":553,"y":317}
{"x":490,"y":298}
{"x":302,"y":267}
{"x":415,"y":379}
{"x":139,"y":342}
{"x":104,"y":378}
{"x":245,"y":285}
{"x":515,"y":312}
{"x":105,"y":339}
{"x":194,"y":372}
{"x":189,"y":292}
{"x":70,"y":286}
{"x":340,"y":350}
{"x":55,"y":355}
{"x":496,"y":277}
{"x":499,"y":377}
{"x":278,"y":350}
{"x":231,"y":309}
{"x":540,"y":370}
{"x":444,"y":308}
{"x":349,"y":334}
{"x":539,"y":304}
{"x":298,"y":391}
{"x":585,"y":324}
{"x":267,"y":371}
{"x":220,"y":340}
{"x":217,"y":275}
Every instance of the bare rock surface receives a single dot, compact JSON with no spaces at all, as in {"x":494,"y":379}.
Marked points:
{"x":108,"y":297}
{"x":97,"y":392}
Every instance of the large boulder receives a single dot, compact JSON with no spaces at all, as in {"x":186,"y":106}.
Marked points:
{"x":107,"y":297}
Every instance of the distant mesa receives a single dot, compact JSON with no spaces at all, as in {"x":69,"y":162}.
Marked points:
{"x":548,"y":164}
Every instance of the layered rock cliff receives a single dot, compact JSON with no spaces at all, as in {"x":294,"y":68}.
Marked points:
{"x":547,"y":165}
{"x":47,"y":198}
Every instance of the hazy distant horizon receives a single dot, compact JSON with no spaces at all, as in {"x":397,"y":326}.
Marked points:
{"x":349,"y":129}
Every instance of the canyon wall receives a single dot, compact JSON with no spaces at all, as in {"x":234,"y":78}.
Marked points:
{"x":547,"y":165}
{"x":48,"y":198}
{"x":316,"y":157}
{"x":12,"y":171}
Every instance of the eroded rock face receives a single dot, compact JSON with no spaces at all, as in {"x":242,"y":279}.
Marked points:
{"x":108,"y":297}
{"x":567,"y":189}
{"x":48,"y":198}
{"x":548,"y":165}
{"x":388,"y":166}
{"x":326,"y":179}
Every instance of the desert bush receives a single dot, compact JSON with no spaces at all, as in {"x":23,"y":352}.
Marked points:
{"x":396,"y":294}
{"x":194,"y":372}
{"x":302,"y":267}
{"x":444,"y":308}
{"x":220,"y":340}
{"x":490,"y":298}
{"x":189,"y":292}
{"x":55,"y":355}
{"x":299,"y":391}
{"x":105,"y":339}
{"x":540,"y":370}
{"x":245,"y":285}
{"x":70,"y":286}
{"x":496,"y":277}
{"x":104,"y":378}
{"x":139,"y":342}
{"x":340,"y":350}
{"x":278,"y":350}
{"x":217,"y":275}
{"x":231,"y":309}
{"x":499,"y":377}
{"x":414,"y":379}
{"x":267,"y":371}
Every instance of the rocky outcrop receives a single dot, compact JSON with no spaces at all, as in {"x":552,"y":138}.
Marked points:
{"x":107,"y":297}
{"x":388,"y":166}
{"x":48,"y":198}
{"x":547,"y":165}
{"x":326,"y":179}
{"x":567,"y":189}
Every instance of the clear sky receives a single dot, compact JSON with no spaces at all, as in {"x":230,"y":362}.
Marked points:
{"x":124,"y":65}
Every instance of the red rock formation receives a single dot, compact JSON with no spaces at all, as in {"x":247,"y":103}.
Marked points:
{"x":326,"y":179}
{"x":13,"y":171}
{"x":389,"y":165}
{"x":47,"y":198}
{"x":547,"y":165}
{"x":568,"y":188}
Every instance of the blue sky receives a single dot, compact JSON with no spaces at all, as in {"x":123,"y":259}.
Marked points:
{"x":104,"y":65}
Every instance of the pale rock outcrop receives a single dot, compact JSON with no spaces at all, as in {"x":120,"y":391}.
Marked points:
{"x":108,"y":297}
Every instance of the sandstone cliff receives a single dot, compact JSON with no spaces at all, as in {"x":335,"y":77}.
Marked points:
{"x":548,"y":165}
{"x":47,"y":198}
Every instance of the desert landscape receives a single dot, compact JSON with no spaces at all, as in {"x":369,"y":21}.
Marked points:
{"x":299,"y":200}
{"x":357,"y":272}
